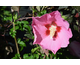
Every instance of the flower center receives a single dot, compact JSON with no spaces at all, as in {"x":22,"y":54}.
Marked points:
{"x":52,"y":31}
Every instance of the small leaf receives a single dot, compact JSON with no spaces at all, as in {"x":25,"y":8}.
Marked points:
{"x":15,"y":17}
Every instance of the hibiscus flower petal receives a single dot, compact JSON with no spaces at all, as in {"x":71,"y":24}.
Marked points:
{"x":43,"y":19}
{"x":41,"y":30}
{"x":51,"y":44}
{"x":59,"y":20}
{"x":64,"y":35}
{"x":37,"y":36}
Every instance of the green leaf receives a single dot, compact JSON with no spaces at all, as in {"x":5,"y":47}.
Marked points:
{"x":16,"y":27}
{"x":24,"y":22}
{"x":19,"y":39}
{"x":6,"y":12}
{"x":7,"y":18}
{"x":15,"y":17}
{"x":21,"y":43}
{"x":43,"y":12}
{"x":64,"y":17}
{"x":34,"y":10}
{"x":25,"y":56}
{"x":17,"y":56}
{"x":12,"y":33}
{"x":37,"y":56}
{"x":28,"y":27}
{"x":21,"y":48}
{"x":33,"y":50}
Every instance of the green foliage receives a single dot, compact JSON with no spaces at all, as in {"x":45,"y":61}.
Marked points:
{"x":42,"y":13}
{"x":75,"y":28}
{"x":36,"y":48}
{"x":17,"y":56}
{"x":12,"y":32}
{"x":31,"y":56}
{"x":15,"y":17}
{"x":26,"y":26}
{"x":21,"y":43}
{"x":7,"y":16}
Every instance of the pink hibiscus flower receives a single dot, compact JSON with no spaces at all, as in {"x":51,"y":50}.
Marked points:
{"x":51,"y":31}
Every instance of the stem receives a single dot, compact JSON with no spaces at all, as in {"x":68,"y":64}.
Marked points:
{"x":16,"y":40}
{"x":15,"y":36}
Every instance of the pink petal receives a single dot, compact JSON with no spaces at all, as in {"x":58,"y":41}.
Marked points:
{"x":64,"y":36}
{"x":59,"y":20}
{"x":45,"y":19}
{"x":37,"y":36}
{"x":39,"y":33}
{"x":50,"y":44}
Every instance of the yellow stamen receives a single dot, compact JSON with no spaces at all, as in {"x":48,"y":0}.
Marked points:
{"x":52,"y":31}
